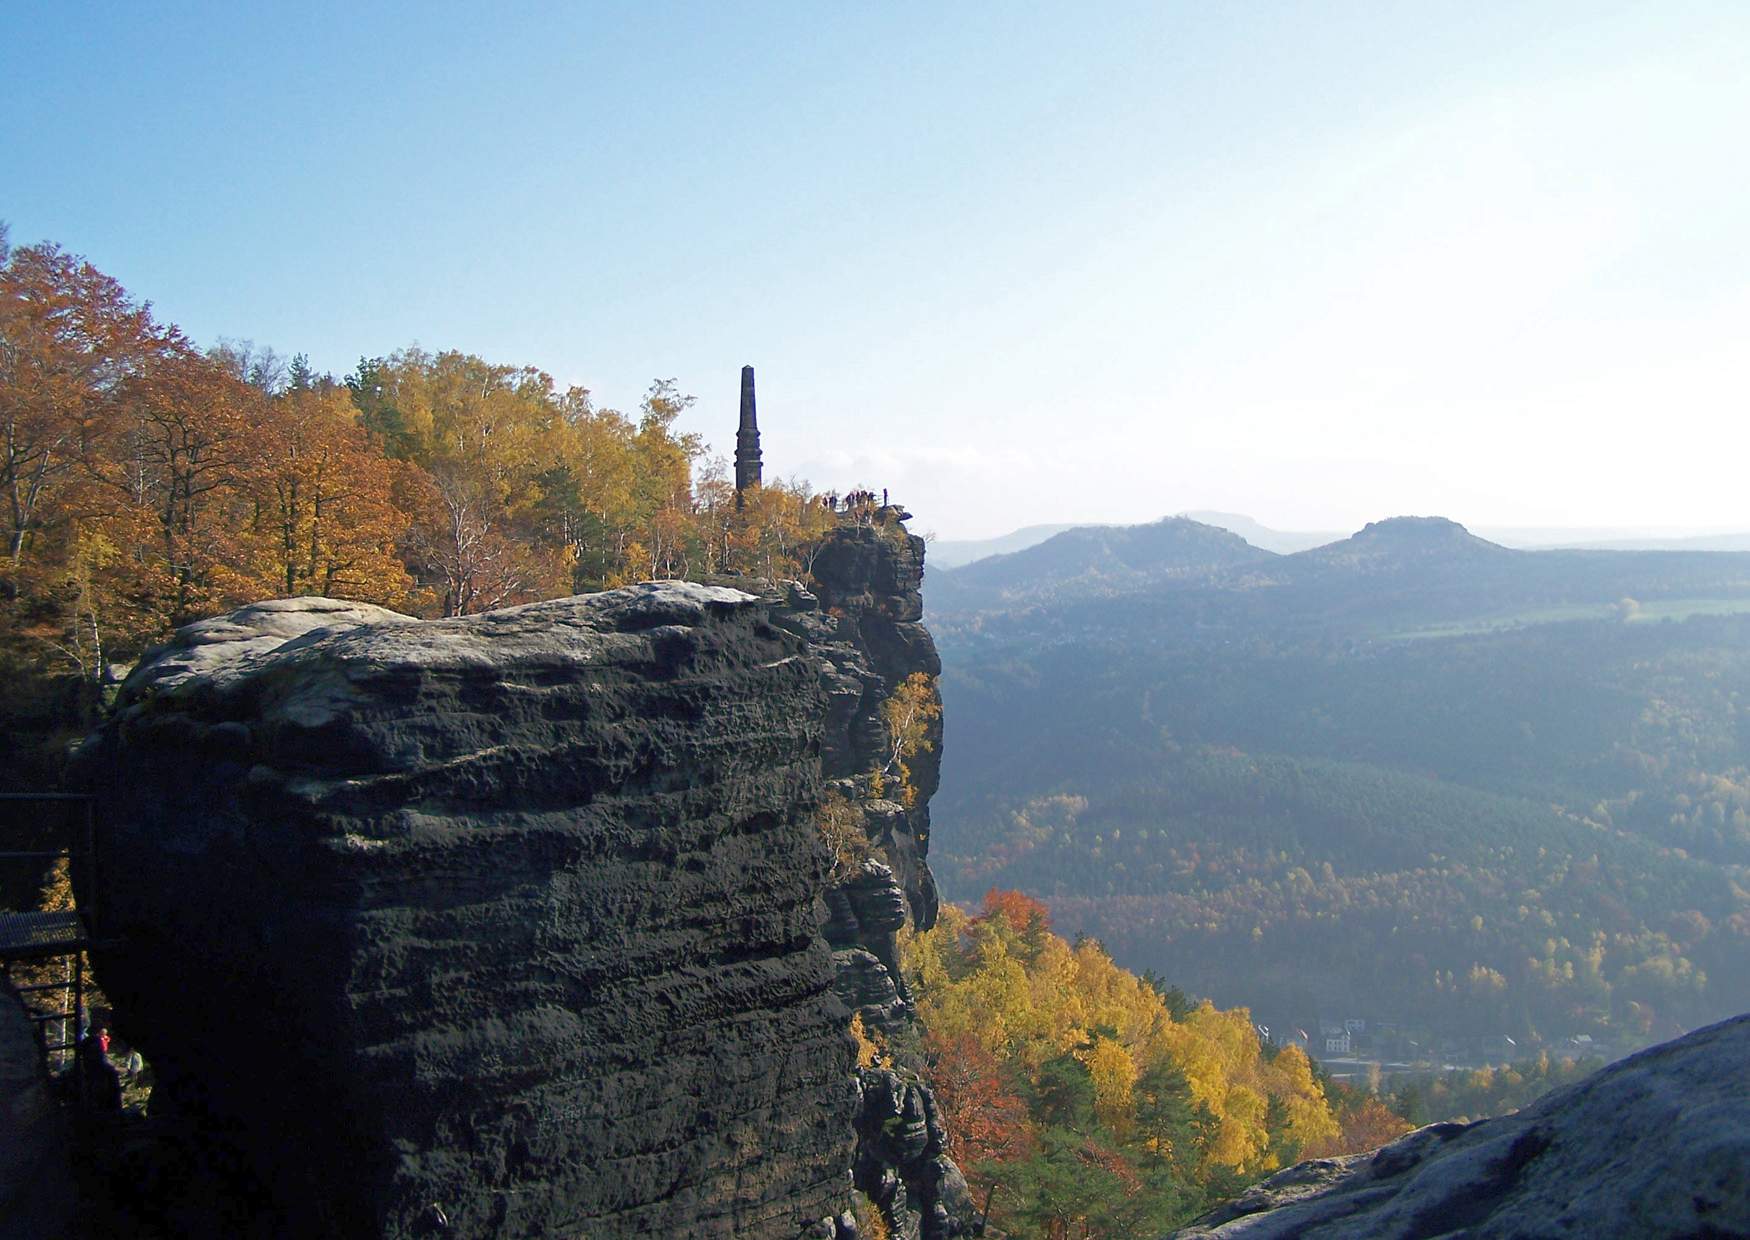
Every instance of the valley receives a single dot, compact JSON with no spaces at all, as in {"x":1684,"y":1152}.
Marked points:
{"x":1531,"y":822}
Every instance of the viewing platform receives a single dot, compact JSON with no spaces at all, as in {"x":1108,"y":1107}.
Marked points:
{"x":39,"y":841}
{"x":35,"y":936}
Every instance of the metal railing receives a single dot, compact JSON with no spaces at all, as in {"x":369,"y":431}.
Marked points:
{"x":45,"y":936}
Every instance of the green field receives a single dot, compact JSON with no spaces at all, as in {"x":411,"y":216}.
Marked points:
{"x":1641,"y":613}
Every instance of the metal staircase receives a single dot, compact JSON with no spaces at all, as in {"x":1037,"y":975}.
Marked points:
{"x":40,"y":937}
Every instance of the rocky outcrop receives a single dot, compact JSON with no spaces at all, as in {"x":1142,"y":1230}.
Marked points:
{"x":867,"y":987}
{"x":36,"y":1187}
{"x":870,"y":581}
{"x":1657,"y":1145}
{"x":864,"y":917}
{"x":866,"y":624}
{"x":504,"y":925}
{"x":902,"y":1163}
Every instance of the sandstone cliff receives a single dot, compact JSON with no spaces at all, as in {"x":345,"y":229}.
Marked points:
{"x":865,"y":627}
{"x":504,"y":925}
{"x":1655,"y":1147}
{"x":512,"y":925}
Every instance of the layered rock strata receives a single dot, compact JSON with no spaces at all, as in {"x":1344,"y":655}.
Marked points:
{"x":902,"y":1161}
{"x":865,"y":624}
{"x":504,"y":925}
{"x":870,"y":581}
{"x":864,"y":917}
{"x":1655,"y":1146}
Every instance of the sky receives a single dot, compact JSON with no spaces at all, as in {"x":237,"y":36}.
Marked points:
{"x":1016,"y":263}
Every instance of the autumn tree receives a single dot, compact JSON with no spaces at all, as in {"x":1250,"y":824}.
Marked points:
{"x":1365,"y":1125}
{"x":459,"y":546}
{"x":666,"y":538}
{"x":1022,"y":912}
{"x":985,"y":1119}
{"x":842,"y":829}
{"x":324,"y":517}
{"x":179,"y":447}
{"x":909,"y":715}
{"x":1136,"y":1117}
{"x":69,"y":336}
{"x":481,"y":433}
{"x":776,"y":531}
{"x":585,"y":503}
{"x":1113,"y":1073}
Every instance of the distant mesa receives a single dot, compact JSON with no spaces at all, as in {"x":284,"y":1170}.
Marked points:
{"x":1425,"y":530}
{"x":1170,"y":534}
{"x":1404,"y":540}
{"x":1182,"y":550}
{"x":1421,"y":569}
{"x":1103,"y":558}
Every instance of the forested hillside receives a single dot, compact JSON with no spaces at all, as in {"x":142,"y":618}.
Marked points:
{"x":1095,"y":558}
{"x":1089,"y":1099}
{"x":1412,"y":778}
{"x":147,"y":482}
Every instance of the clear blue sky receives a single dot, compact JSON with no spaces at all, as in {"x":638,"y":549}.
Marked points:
{"x":1319,"y":263}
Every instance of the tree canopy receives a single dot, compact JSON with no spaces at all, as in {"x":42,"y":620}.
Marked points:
{"x":147,"y":483}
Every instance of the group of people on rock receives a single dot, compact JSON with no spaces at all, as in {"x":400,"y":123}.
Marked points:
{"x":853,"y":500}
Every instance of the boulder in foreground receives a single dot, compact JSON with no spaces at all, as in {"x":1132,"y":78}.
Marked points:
{"x":1656,"y":1146}
{"x":503,"y":925}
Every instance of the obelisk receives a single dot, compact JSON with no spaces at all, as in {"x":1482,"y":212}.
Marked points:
{"x":747,"y":440}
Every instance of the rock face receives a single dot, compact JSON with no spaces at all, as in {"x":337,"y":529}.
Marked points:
{"x":36,"y":1191}
{"x":901,"y":1163}
{"x":1657,"y":1145}
{"x":866,"y":625}
{"x":871,"y":589}
{"x":864,"y":917}
{"x":504,"y":925}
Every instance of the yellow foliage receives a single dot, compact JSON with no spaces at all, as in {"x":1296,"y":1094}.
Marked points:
{"x":847,"y":839}
{"x":1289,"y":1079}
{"x":1114,"y":1074}
{"x":1030,"y":998}
{"x":871,"y":1223}
{"x":914,"y":706}
{"x":868,"y":1050}
{"x":1241,"y":1139}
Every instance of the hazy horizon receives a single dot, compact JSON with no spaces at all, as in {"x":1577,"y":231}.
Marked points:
{"x":1319,"y":266}
{"x":1611,"y":531}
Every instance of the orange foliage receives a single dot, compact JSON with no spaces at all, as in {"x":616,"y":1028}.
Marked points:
{"x":1365,"y":1126}
{"x":144,"y":484}
{"x":985,"y":1120}
{"x":1020,"y":911}
{"x":324,"y":518}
